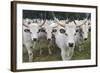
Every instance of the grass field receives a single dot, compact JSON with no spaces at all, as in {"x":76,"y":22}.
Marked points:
{"x":78,"y":55}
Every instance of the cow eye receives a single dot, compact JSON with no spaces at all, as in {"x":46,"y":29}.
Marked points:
{"x":26,"y":30}
{"x":88,"y":23}
{"x":77,"y":30}
{"x":42,"y":30}
{"x":39,"y":30}
{"x":66,"y":34}
{"x":54,"y":30}
{"x":75,"y":34}
{"x":62,"y":31}
{"x":89,"y":29}
{"x":29,"y":22}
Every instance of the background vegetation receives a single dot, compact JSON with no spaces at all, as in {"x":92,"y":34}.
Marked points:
{"x":60,"y":15}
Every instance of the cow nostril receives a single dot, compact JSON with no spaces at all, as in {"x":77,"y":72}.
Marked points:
{"x":48,"y":39}
{"x":29,"y":22}
{"x":34,"y":39}
{"x":71,"y":44}
{"x":43,"y":31}
{"x":89,"y":29}
{"x":85,"y":39}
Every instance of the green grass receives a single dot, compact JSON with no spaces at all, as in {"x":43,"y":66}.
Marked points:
{"x":78,"y":55}
{"x":85,"y":53}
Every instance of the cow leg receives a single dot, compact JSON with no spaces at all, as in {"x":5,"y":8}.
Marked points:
{"x":30,"y":52}
{"x":41,"y":51}
{"x":49,"y":49}
{"x":70,"y":52}
{"x":64,"y":55}
{"x":50,"y":52}
{"x":81,"y":47}
{"x":67,"y":53}
{"x":30,"y":56}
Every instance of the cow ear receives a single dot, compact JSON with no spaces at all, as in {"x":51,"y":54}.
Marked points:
{"x":39,"y":30}
{"x":26,"y":30}
{"x":89,"y":29}
{"x":88,"y":23}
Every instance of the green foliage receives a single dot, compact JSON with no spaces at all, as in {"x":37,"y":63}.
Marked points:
{"x":60,"y":15}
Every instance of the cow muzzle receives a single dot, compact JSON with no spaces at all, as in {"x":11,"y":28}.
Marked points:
{"x":71,"y":44}
{"x":85,"y":39}
{"x":34,"y":39}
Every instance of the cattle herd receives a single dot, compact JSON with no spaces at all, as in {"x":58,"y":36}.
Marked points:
{"x":66,"y":34}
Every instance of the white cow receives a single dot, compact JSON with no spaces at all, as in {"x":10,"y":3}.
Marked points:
{"x":65,"y":38}
{"x":84,"y":26}
{"x":42,"y":40}
{"x":30,"y":36}
{"x":49,"y":26}
{"x":83,"y":31}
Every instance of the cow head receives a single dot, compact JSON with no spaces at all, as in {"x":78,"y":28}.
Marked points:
{"x":33,"y":27}
{"x":69,"y":30}
{"x":85,"y":28}
{"x":49,"y":26}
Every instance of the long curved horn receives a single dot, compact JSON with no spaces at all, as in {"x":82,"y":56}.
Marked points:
{"x":44,"y":21}
{"x":25,"y":25}
{"x":78,"y":17}
{"x":55,"y":26}
{"x":83,"y":22}
{"x":87,"y":15}
{"x":74,"y":21}
{"x":57,"y":21}
{"x":67,"y":21}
